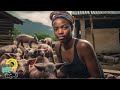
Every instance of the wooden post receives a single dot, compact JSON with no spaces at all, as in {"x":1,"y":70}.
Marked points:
{"x":75,"y":30}
{"x":82,"y":27}
{"x":92,"y":32}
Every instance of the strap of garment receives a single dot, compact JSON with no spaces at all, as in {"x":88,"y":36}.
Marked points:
{"x":75,"y":50}
{"x":60,"y":56}
{"x":76,"y":57}
{"x":75,"y":46}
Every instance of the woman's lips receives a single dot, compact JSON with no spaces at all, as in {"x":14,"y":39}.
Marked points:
{"x":61,"y":37}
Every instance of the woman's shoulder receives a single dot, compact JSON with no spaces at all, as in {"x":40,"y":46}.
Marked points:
{"x":57,"y":45}
{"x":82,"y":43}
{"x":84,"y":47}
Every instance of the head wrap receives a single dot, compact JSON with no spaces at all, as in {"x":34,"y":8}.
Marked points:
{"x":63,"y":14}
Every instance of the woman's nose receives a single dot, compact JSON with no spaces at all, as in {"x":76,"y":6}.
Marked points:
{"x":60,"y":31}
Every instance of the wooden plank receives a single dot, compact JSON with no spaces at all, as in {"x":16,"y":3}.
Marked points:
{"x":4,"y":33}
{"x":4,"y":43}
{"x":8,"y":43}
{"x":5,"y":25}
{"x":4,"y":29}
{"x":9,"y":40}
{"x":82,"y":24}
{"x":9,"y":37}
{"x":75,"y":30}
{"x":5,"y":21}
{"x":92,"y":32}
{"x":6,"y":39}
{"x":111,"y":71}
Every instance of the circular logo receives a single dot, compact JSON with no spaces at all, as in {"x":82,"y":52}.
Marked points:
{"x":14,"y":61}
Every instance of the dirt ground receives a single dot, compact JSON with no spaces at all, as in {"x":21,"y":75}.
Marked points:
{"x":110,"y":66}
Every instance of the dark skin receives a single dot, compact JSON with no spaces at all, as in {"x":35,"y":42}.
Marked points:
{"x":63,"y":31}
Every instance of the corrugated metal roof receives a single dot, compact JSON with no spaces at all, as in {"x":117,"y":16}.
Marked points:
{"x":94,"y":12}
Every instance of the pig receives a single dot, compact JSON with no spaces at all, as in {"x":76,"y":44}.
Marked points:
{"x":33,"y":53}
{"x":43,"y":71}
{"x":28,"y":52}
{"x":24,"y":38}
{"x":43,"y":68}
{"x":24,"y":66}
{"x":48,"y":53}
{"x":2,"y":66}
{"x":7,"y":49}
{"x":47,"y":41}
{"x":42,"y":40}
{"x":11,"y":55}
{"x":1,"y":63}
{"x":39,"y":54}
{"x":18,"y":50}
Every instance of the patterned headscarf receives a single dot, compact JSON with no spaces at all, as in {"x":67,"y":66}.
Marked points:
{"x":64,"y":14}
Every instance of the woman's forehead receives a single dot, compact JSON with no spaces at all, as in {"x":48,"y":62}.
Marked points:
{"x":59,"y":21}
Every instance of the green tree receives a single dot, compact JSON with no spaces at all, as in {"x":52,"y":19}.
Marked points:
{"x":15,"y":32}
{"x":43,"y":36}
{"x":54,"y":38}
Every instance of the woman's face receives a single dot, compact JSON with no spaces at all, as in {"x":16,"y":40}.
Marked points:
{"x":62,"y":29}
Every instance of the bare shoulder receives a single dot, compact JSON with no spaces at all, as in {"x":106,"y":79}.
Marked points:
{"x":84,"y":44}
{"x":85,"y":50}
{"x":57,"y":44}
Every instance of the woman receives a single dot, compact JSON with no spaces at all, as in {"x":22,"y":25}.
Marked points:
{"x":77,"y":53}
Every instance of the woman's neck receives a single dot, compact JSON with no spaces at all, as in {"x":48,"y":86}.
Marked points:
{"x":69,"y":44}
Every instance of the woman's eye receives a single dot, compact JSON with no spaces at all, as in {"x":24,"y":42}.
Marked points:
{"x":55,"y":29}
{"x":65,"y":27}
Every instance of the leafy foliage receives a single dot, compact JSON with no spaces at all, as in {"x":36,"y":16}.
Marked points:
{"x":43,"y":36}
{"x":15,"y":32}
{"x":40,"y":36}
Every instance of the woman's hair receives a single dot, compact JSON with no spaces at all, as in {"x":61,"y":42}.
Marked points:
{"x":62,"y":14}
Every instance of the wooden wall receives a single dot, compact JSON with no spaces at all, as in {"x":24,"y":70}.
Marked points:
{"x":106,"y":40}
{"x":6,"y":28}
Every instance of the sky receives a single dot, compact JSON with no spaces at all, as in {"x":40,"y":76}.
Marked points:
{"x":34,"y":16}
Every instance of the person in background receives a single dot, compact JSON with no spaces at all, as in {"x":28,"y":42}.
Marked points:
{"x":79,"y":54}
